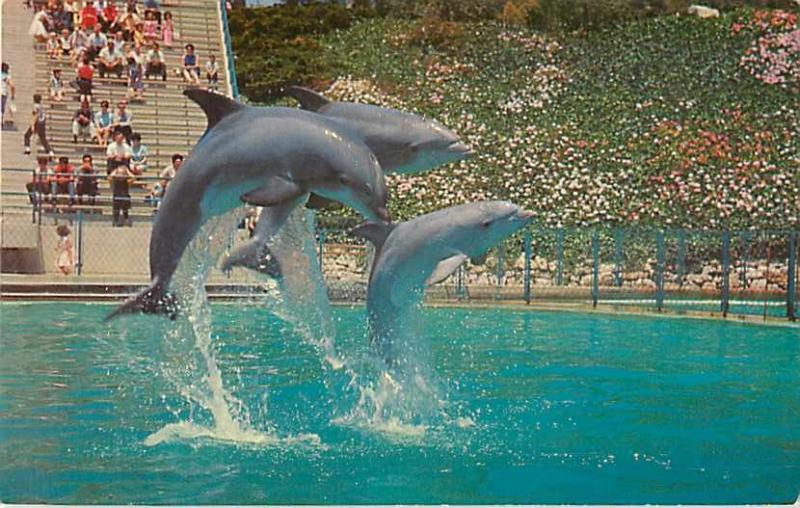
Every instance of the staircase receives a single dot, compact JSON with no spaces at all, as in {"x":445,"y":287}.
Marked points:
{"x":167,"y":121}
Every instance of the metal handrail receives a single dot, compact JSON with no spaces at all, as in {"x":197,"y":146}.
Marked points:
{"x":226,"y":36}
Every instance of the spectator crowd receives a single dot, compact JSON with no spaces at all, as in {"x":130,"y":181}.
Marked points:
{"x":100,"y":38}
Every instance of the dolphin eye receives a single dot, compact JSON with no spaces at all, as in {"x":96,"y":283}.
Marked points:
{"x":344,"y":180}
{"x":485,"y":224}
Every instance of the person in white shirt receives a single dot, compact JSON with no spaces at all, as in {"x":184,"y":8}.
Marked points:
{"x":111,"y":60}
{"x":155,"y":63}
{"x":118,"y":153}
{"x":212,"y":72}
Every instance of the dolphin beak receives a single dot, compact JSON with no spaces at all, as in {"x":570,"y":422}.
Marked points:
{"x":383,"y":214}
{"x":460,"y":149}
{"x":525,"y":215}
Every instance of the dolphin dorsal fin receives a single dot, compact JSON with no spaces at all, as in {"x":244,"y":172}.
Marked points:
{"x":215,"y":106}
{"x":308,"y":99}
{"x":374,"y":231}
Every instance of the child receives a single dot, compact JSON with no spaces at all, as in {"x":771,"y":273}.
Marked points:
{"x":56,"y":86}
{"x":65,"y":44}
{"x":150,"y":27}
{"x":168,"y":30}
{"x":135,"y":81}
{"x":120,"y":180}
{"x":65,"y":257}
{"x":212,"y":73}
{"x":87,"y":180}
{"x":138,"y":155}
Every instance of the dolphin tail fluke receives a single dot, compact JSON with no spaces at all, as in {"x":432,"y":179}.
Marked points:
{"x":252,"y":255}
{"x":153,"y":300}
{"x":308,"y":99}
{"x":215,"y":106}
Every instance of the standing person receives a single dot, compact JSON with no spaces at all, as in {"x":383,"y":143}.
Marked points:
{"x":87,"y":180}
{"x":155,"y":63}
{"x":103,"y":123}
{"x":8,"y":89}
{"x":212,"y":73}
{"x":56,"y":86}
{"x":123,"y":120}
{"x":65,"y":256}
{"x":85,"y":76}
{"x":168,"y":30}
{"x":136,"y":73}
{"x":38,"y":126}
{"x":121,"y":180}
{"x":191,"y":65}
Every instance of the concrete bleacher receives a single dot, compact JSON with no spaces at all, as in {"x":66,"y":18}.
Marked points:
{"x":168,"y":122}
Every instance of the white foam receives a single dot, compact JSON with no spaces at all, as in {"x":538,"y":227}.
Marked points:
{"x":188,"y":431}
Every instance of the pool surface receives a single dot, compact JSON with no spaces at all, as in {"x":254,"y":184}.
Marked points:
{"x":530,"y":407}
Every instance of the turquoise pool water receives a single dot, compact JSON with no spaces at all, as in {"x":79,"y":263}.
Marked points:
{"x":534,"y":407}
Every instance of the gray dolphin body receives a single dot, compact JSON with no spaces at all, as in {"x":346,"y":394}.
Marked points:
{"x":424,"y":251}
{"x":260,"y":156}
{"x":403,"y":143}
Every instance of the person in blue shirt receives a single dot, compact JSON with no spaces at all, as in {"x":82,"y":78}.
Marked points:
{"x":191,"y":65}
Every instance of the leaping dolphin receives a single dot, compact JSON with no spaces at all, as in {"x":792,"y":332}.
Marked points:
{"x":260,"y":156}
{"x":403,"y":143}
{"x":423,"y":251}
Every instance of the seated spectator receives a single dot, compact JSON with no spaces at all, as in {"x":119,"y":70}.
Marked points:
{"x":168,"y":34}
{"x":123,"y":120}
{"x":87,"y":180}
{"x":119,"y":42}
{"x":79,"y":40}
{"x":40,"y":183}
{"x":65,"y":44}
{"x":128,"y":23}
{"x":150,"y":27}
{"x":138,"y":155}
{"x":103,"y":124}
{"x":73,"y":8}
{"x":118,"y":153}
{"x":155,"y":63}
{"x":136,"y":74}
{"x":212,"y":73}
{"x":138,"y":34}
{"x":64,"y":19}
{"x":63,"y":180}
{"x":53,"y":48}
{"x":191,"y":66}
{"x":130,"y":6}
{"x":85,"y":76}
{"x":153,"y":8}
{"x":121,"y":180}
{"x":56,"y":86}
{"x":97,"y":41}
{"x":110,"y":60}
{"x":109,"y":18}
{"x":82,"y":122}
{"x":88,"y":16}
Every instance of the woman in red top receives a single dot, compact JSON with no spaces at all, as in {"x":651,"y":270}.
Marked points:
{"x":88,"y":16}
{"x":85,"y":73}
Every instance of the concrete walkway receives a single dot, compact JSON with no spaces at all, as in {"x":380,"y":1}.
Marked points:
{"x":17,"y":51}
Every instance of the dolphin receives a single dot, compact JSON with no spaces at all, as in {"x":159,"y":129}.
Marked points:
{"x":424,"y":251}
{"x":403,"y":143}
{"x":263,"y":157}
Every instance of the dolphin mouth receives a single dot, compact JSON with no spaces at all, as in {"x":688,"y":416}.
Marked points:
{"x":459,"y":148}
{"x":383,"y":214}
{"x":525,"y":215}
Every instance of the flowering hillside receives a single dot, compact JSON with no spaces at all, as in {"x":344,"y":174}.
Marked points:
{"x":670,"y":121}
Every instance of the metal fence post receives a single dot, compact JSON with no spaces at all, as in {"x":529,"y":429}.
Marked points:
{"x":501,"y":251}
{"x":661,"y":263}
{"x":321,"y":249}
{"x":680,"y":262}
{"x":726,"y":268}
{"x":791,"y":275}
{"x":560,"y":257}
{"x":79,"y":241}
{"x":619,"y":235}
{"x":527,"y":273}
{"x":595,"y":267}
{"x":460,"y":293}
{"x":744,"y":242}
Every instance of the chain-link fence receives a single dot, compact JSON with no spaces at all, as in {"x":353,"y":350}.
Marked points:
{"x":753,"y":272}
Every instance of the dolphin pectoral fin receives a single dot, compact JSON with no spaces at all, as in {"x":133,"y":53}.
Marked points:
{"x":445,"y":268}
{"x":375,"y":232}
{"x":276,"y":192}
{"x":308,"y":99}
{"x":215,"y":106}
{"x":317,"y":202}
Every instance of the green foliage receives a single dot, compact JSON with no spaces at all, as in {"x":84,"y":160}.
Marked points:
{"x":277,"y":46}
